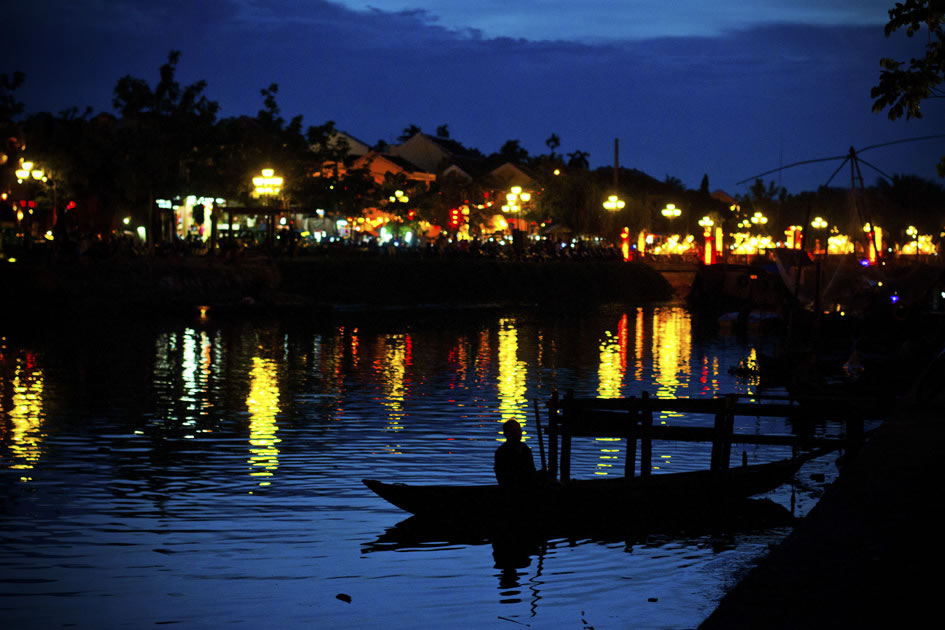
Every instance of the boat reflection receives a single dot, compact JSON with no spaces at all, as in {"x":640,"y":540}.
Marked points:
{"x":421,"y":532}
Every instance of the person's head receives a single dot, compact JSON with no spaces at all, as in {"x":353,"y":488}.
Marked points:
{"x":512,"y":431}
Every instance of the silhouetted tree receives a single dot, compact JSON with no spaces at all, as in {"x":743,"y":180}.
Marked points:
{"x":553,"y":142}
{"x":704,"y":185}
{"x":902,"y":88}
{"x":443,"y":131}
{"x":163,"y":127}
{"x":409,"y":132}
{"x":512,"y":151}
{"x":578,"y":159}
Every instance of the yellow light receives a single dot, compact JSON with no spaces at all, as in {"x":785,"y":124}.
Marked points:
{"x":670,"y":211}
{"x":614,"y":203}
{"x":516,"y":190}
{"x":27,"y":166}
{"x":819,"y":223}
{"x":268,"y":172}
{"x":525,"y":196}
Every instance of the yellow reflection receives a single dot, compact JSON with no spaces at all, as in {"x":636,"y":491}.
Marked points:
{"x":391,"y":367}
{"x":613,"y":361}
{"x":672,"y":346}
{"x":512,"y":402}
{"x":482,"y":357}
{"x":609,"y":454}
{"x":26,"y":415}
{"x":263,"y":404}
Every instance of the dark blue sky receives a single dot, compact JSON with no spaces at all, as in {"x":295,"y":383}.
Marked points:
{"x":724,"y":88}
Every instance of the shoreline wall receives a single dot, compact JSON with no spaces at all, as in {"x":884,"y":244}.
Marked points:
{"x":142,"y":285}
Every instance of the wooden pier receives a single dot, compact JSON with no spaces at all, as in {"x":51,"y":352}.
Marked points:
{"x":632,"y":419}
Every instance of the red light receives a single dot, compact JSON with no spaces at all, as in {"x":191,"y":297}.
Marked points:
{"x":32,"y":204}
{"x":22,"y":203}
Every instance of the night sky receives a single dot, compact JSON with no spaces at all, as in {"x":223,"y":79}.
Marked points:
{"x":725,"y":88}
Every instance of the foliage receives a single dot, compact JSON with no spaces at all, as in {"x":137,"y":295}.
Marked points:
{"x":512,"y":151}
{"x":902,"y":88}
{"x":409,"y":132}
{"x":578,"y":159}
{"x":10,"y":108}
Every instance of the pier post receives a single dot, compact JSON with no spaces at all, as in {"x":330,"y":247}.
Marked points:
{"x":722,"y":439}
{"x":567,"y":427}
{"x":646,"y":443}
{"x":634,"y":421}
{"x":553,"y":435}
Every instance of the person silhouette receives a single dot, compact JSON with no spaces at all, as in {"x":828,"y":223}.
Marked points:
{"x":514,"y":465}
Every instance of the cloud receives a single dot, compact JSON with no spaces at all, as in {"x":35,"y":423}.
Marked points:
{"x":729,"y":104}
{"x":603,"y":20}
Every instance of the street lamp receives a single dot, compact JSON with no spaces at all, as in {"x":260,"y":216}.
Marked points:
{"x":671,"y":211}
{"x":759,"y":219}
{"x":914,"y":233}
{"x":516,"y":199}
{"x":614,"y":203}
{"x":268,"y":184}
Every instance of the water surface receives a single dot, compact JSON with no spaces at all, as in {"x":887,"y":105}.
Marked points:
{"x":207,"y":473}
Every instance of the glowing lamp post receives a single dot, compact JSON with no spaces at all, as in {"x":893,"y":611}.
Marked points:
{"x":707,"y":224}
{"x":26,"y":172}
{"x":914,"y":233}
{"x":268,"y":185}
{"x":516,"y":199}
{"x":759,"y":219}
{"x":671,"y":211}
{"x":614,"y":203}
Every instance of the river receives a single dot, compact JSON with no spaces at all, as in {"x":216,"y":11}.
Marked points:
{"x":207,"y":473}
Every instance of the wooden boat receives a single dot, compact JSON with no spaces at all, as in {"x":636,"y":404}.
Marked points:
{"x":652,"y":498}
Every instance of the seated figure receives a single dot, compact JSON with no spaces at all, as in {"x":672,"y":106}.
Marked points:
{"x":514,"y":466}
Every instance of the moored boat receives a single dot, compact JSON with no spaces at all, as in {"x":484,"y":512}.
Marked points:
{"x":607,"y":500}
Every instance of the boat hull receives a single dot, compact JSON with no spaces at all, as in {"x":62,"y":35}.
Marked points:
{"x":654,"y":498}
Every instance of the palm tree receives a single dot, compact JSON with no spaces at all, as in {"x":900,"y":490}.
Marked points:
{"x":553,"y":142}
{"x":578,"y":159}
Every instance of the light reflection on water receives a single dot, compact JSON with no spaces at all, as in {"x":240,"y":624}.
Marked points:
{"x":127,"y":491}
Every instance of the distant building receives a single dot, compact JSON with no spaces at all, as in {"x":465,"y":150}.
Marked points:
{"x":435,"y":155}
{"x":378,"y":165}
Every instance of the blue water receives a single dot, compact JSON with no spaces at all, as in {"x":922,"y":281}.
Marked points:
{"x":206,"y":473}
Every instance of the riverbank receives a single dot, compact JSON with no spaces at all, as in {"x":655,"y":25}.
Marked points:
{"x":317,"y":285}
{"x":869,"y":554}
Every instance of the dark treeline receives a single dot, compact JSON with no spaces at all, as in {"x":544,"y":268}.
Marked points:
{"x":166,"y":140}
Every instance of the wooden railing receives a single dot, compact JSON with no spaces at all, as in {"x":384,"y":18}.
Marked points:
{"x":632,"y":419}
